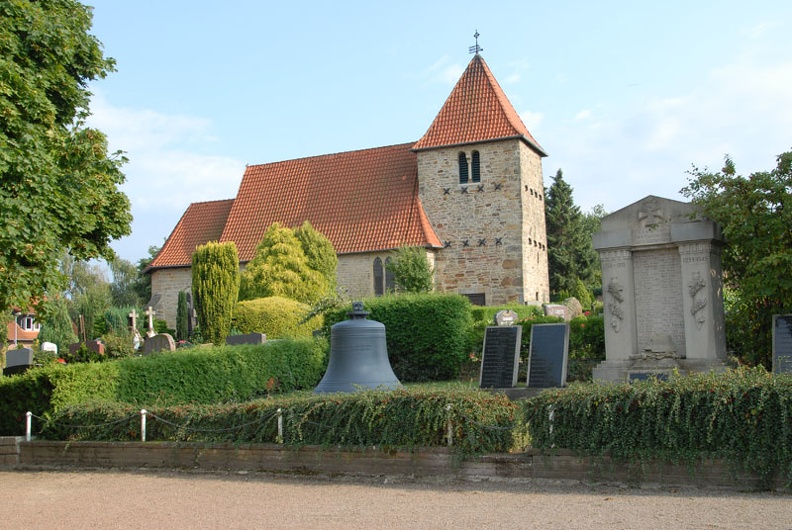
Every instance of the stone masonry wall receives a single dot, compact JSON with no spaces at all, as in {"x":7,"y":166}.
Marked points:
{"x":493,"y":231}
{"x":167,"y":283}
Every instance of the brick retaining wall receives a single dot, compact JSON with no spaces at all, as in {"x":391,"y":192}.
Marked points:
{"x":529,"y":466}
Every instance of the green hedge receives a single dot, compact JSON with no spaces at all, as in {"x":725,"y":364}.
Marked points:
{"x":743,"y":416}
{"x":426,"y":334}
{"x":200,"y":375}
{"x":481,"y":422}
{"x":276,"y":317}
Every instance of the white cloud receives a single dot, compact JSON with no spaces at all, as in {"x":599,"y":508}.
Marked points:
{"x":743,"y":108}
{"x":170,"y":166}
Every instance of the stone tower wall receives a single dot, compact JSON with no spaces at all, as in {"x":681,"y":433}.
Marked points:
{"x":493,"y":231}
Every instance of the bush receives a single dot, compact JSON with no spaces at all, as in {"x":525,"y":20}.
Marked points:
{"x":481,"y":422}
{"x":276,"y":317}
{"x":426,"y":334}
{"x":743,"y":416}
{"x":201,"y":375}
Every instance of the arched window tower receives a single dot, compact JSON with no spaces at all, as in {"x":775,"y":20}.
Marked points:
{"x":463,"y":168}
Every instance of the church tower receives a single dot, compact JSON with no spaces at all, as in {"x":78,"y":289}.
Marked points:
{"x":480,"y":183}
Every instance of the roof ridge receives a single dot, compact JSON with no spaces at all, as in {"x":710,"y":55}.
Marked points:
{"x":351,"y":151}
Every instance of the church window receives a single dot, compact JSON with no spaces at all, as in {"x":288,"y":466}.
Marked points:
{"x":378,"y":285}
{"x":463,"y":168}
{"x":390,"y":281}
{"x":475,"y":167}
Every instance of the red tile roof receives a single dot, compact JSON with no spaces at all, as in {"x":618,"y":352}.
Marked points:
{"x":201,"y":223}
{"x":362,"y":201}
{"x":476,"y":111}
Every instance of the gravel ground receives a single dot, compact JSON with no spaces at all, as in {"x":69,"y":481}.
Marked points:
{"x":173,"y":500}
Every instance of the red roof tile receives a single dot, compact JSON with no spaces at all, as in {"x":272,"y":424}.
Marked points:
{"x":362,"y":201}
{"x":476,"y":111}
{"x":201,"y":223}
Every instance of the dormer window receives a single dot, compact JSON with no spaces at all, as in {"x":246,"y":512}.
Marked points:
{"x":463,"y":168}
{"x":476,"y":169}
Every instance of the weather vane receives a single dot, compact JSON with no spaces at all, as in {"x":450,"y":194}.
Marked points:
{"x":475,"y":49}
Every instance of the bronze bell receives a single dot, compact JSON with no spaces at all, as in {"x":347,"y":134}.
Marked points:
{"x":358,"y":356}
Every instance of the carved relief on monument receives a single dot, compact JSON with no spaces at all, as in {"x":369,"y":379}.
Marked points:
{"x":695,"y":287}
{"x":616,"y":295}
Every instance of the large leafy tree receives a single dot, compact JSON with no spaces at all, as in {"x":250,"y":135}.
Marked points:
{"x":58,"y":183}
{"x":215,"y":288}
{"x":755,"y":214}
{"x":570,"y":253}
{"x":281,"y":268}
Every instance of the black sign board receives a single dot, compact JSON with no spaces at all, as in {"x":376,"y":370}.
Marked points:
{"x":782,"y":344}
{"x":547,"y":363}
{"x":501,"y":357}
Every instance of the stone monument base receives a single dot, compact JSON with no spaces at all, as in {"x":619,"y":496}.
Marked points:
{"x":631,"y":370}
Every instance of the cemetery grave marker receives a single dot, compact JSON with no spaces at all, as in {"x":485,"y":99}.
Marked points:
{"x":547,"y":361}
{"x":782,"y":344}
{"x":501,"y":353}
{"x":18,"y":361}
{"x":158,"y":343}
{"x":247,"y":338}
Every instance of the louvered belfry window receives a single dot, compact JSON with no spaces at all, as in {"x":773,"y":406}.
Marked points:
{"x":463,"y":168}
{"x":476,"y":169}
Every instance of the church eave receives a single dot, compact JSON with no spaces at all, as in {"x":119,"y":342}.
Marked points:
{"x":533,"y":145}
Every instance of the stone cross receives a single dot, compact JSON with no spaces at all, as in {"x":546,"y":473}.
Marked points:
{"x":133,"y":319}
{"x":150,"y":314}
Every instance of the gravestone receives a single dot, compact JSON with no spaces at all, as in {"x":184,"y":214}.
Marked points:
{"x":95,"y":346}
{"x":505,"y":318}
{"x":247,"y":338}
{"x":782,"y":344}
{"x":556,"y":310}
{"x":158,"y":343}
{"x":549,"y":353}
{"x":18,"y":361}
{"x":50,"y":347}
{"x":662,"y":291}
{"x":500,"y":358}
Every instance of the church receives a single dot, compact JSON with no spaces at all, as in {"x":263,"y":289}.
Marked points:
{"x":470,"y":191}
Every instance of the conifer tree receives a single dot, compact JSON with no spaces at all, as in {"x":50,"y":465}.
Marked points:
{"x":215,"y":288}
{"x":280,"y":268}
{"x":319,"y":252}
{"x":570,"y":253}
{"x":182,"y":315}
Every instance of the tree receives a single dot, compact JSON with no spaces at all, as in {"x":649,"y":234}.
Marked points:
{"x":280,"y":268}
{"x":570,"y":253}
{"x":755,"y":215}
{"x":411,"y":270}
{"x":124,"y":287}
{"x":592,"y":222}
{"x":319,"y":252}
{"x":182,"y":314}
{"x":58,"y":184}
{"x":143,"y":283}
{"x":56,"y":327}
{"x":89,"y":295}
{"x":215,"y":288}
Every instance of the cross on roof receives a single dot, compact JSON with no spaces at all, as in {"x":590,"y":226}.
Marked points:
{"x":475,"y":49}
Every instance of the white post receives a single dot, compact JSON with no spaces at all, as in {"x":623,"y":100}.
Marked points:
{"x":28,"y":425}
{"x":450,"y":427}
{"x":143,"y":413}
{"x":279,"y":439}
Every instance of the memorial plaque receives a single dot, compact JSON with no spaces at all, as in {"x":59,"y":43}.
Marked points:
{"x":247,"y":338}
{"x":782,"y":344}
{"x":547,"y":362}
{"x":501,"y":357}
{"x":647,"y":375}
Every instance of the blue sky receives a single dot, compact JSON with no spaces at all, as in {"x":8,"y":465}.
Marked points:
{"x":623,"y":96}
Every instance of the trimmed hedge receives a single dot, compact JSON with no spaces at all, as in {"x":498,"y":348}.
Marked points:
{"x":200,"y":375}
{"x":276,"y":317}
{"x":743,"y":416}
{"x":426,"y":334}
{"x":481,"y":422}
